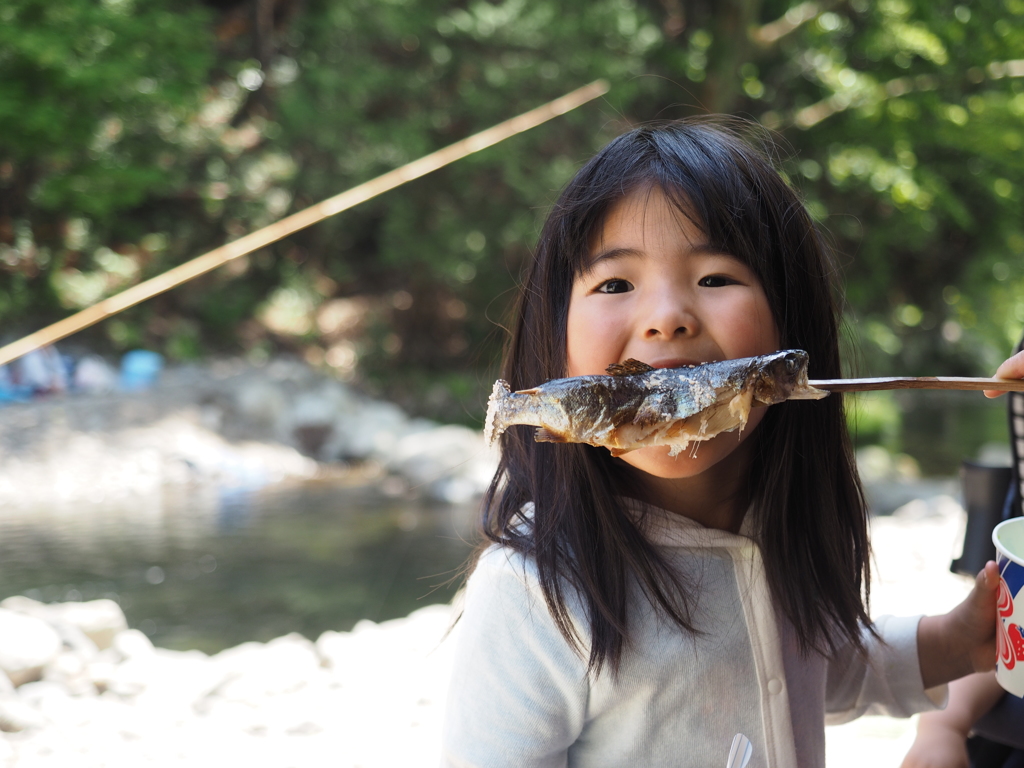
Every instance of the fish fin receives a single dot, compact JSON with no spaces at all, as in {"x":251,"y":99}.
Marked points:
{"x":630,"y":367}
{"x":545,"y":435}
{"x":530,"y":391}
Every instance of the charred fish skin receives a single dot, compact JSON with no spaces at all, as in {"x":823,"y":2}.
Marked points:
{"x":562,"y":407}
{"x":638,"y":406}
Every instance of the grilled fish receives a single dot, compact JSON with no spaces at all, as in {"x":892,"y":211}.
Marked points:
{"x":637,"y":406}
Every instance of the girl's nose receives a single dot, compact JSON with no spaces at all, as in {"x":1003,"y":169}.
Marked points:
{"x":668,"y":317}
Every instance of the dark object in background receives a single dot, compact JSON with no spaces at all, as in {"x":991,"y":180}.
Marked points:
{"x":987,"y":493}
{"x":1016,"y":413}
{"x":1003,"y":725}
{"x":989,"y":754}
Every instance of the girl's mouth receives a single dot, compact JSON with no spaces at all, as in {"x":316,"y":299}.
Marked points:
{"x":677,"y":362}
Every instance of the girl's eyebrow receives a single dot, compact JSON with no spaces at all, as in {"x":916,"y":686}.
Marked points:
{"x":700,"y":249}
{"x":613,"y":253}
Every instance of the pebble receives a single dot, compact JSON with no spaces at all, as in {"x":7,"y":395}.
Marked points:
{"x":27,"y":645}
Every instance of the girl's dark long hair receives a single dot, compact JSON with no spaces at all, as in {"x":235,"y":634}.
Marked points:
{"x":809,"y":514}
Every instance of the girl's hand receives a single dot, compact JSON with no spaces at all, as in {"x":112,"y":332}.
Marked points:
{"x":937,"y":745}
{"x":964,"y":640}
{"x":941,"y":740}
{"x":1013,"y":368}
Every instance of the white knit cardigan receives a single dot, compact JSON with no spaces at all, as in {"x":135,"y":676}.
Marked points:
{"x":521,"y":696}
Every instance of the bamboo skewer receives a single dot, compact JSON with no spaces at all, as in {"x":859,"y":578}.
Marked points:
{"x":918,"y":382}
{"x":300,"y":220}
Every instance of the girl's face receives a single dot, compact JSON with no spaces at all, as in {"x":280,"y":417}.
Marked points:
{"x":656,"y":291}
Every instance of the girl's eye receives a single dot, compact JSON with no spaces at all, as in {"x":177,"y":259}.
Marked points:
{"x":715,"y":281}
{"x":615,"y":286}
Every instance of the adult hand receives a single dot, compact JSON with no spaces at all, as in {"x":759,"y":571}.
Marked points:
{"x":1012,"y":368}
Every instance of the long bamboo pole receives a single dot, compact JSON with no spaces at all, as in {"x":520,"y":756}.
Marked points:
{"x":304,"y":218}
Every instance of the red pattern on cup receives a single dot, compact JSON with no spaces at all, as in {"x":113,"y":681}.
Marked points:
{"x":1004,"y":600}
{"x":1017,"y":642}
{"x":1004,"y":648}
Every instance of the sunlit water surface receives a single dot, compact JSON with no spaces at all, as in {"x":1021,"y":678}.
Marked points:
{"x":210,"y":568}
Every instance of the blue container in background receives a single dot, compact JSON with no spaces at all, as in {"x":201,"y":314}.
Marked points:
{"x":140,"y":369}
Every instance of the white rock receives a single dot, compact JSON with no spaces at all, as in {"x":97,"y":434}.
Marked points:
{"x":100,"y":620}
{"x":27,"y":645}
{"x":75,"y":639}
{"x":39,"y":693}
{"x":16,"y":715}
{"x":102,"y":672}
{"x":388,"y":649}
{"x":451,"y":462}
{"x":25,"y":605}
{"x":132,"y":643}
{"x":337,"y":649}
{"x":58,"y":706}
{"x":165,"y":679}
{"x":72,"y":637}
{"x":273,"y":463}
{"x":364,"y":429}
{"x":255,"y":670}
{"x":261,"y":403}
{"x":319,"y":409}
{"x":69,"y":670}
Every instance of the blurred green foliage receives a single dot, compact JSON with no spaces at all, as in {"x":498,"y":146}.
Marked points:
{"x":138,"y":135}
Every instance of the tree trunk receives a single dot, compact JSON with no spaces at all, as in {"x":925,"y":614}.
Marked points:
{"x":729,"y":22}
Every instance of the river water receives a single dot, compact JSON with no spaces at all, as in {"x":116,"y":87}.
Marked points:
{"x":210,"y":567}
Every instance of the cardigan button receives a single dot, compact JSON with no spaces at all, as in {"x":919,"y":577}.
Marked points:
{"x":774,"y":686}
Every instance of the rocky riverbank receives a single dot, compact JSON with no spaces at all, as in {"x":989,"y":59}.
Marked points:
{"x":232,"y":424}
{"x":93,"y":692}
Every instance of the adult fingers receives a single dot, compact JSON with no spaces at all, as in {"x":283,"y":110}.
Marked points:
{"x":1012,"y":368}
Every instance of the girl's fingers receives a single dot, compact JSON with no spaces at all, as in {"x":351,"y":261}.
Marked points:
{"x":982,"y":615}
{"x":1013,"y":368}
{"x":988,"y":577}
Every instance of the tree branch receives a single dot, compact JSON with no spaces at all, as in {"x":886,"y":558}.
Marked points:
{"x":900,"y":86}
{"x":772,"y":32}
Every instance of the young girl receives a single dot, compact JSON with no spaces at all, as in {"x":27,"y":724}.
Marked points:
{"x":643,"y":610}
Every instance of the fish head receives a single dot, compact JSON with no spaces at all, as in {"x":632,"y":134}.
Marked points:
{"x":783,"y":376}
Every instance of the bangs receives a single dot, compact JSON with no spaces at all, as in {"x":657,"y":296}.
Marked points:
{"x":713,"y":178}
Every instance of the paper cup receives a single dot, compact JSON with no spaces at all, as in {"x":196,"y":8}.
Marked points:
{"x":1008,"y":537}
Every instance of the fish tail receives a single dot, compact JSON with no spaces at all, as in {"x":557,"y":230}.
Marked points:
{"x":497,"y":411}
